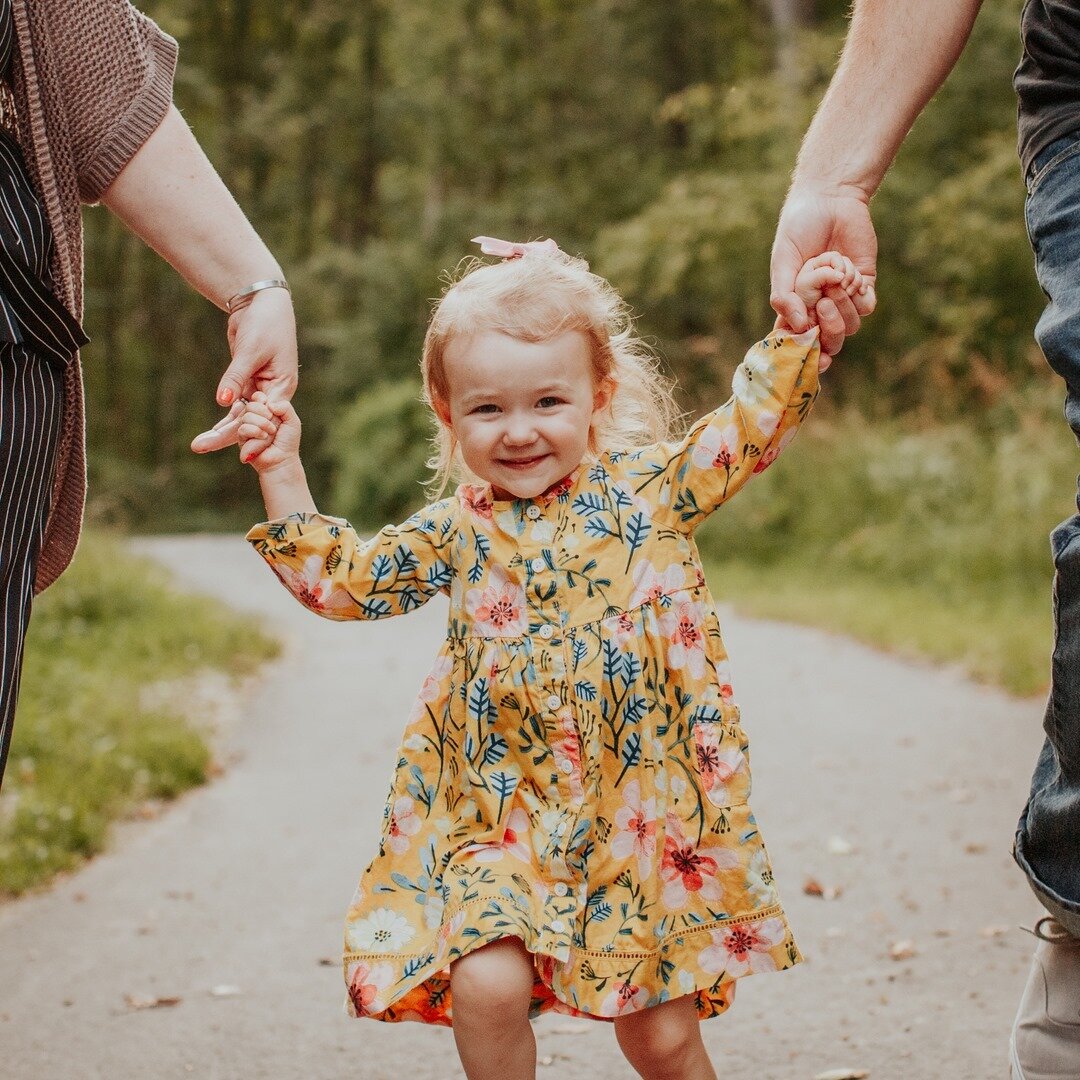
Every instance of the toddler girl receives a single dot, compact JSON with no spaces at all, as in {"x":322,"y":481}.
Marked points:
{"x":567,"y":827}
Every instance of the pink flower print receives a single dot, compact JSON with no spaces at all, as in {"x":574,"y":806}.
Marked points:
{"x":773,"y":452}
{"x":682,"y":626}
{"x":403,"y":824}
{"x":314,"y":590}
{"x":478,"y":500}
{"x":636,"y":822}
{"x":560,"y":488}
{"x":429,"y":691}
{"x":625,"y":998}
{"x":651,"y":584}
{"x":515,"y":841}
{"x":723,"y":679}
{"x":720,"y":768}
{"x":499,"y":609}
{"x":716,"y":449}
{"x":687,"y":869}
{"x":624,"y":629}
{"x":741,"y":948}
{"x":366,"y":983}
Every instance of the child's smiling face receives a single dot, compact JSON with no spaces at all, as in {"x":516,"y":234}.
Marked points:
{"x":521,"y":410}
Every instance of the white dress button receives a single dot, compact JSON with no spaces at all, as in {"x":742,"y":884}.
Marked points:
{"x":532,"y":511}
{"x":558,"y":926}
{"x":561,"y":889}
{"x":553,"y":702}
{"x":566,"y":766}
{"x":538,"y":565}
{"x":547,"y":630}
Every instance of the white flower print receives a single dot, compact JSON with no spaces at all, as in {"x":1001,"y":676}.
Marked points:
{"x":403,"y":824}
{"x":636,"y":821}
{"x":682,"y":626}
{"x":754,"y":377}
{"x":759,"y":879}
{"x":625,"y":998}
{"x":742,"y":948}
{"x":383,"y":931}
{"x":717,"y":449}
{"x":651,"y":584}
{"x":515,"y":841}
{"x":724,"y":770}
{"x":432,"y":687}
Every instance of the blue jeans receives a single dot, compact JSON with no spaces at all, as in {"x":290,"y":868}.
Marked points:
{"x":1048,"y":835}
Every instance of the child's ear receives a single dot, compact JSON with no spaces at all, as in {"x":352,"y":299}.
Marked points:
{"x":442,"y":410}
{"x":604,"y":393}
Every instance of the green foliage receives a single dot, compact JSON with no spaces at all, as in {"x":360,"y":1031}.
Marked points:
{"x":92,"y":741}
{"x":381,"y":444}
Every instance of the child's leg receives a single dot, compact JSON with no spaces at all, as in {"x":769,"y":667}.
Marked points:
{"x":491,"y":989}
{"x":664,"y":1042}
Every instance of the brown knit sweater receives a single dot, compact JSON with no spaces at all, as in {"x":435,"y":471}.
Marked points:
{"x":92,"y":80}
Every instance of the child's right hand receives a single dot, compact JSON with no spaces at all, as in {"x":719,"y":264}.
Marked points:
{"x":269,"y":433}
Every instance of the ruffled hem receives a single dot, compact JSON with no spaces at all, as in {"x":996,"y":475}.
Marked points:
{"x":589,"y":983}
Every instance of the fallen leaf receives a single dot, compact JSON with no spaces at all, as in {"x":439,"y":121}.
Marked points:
{"x":993,"y":931}
{"x":837,"y":845}
{"x":134,"y":1002}
{"x":224,"y":990}
{"x":902,"y":950}
{"x":549,"y":1060}
{"x":326,"y":961}
{"x":843,"y":1074}
{"x":812,"y":887}
{"x":974,"y":849}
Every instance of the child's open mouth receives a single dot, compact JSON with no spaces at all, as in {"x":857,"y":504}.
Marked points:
{"x":523,"y":463}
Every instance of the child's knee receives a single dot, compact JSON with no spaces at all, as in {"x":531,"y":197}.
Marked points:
{"x":661,"y":1041}
{"x":496,"y":980}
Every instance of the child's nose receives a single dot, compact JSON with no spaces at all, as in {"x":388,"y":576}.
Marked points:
{"x":520,"y":431}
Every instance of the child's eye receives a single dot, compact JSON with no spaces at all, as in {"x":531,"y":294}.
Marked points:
{"x":488,"y":408}
{"x":549,"y":402}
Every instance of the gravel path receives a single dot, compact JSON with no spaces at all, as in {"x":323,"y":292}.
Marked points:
{"x":241,"y":887}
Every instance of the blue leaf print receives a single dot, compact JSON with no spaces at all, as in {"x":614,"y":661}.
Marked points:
{"x":585,"y":690}
{"x":587,"y":504}
{"x":409,"y":598}
{"x":579,"y":650}
{"x":635,"y":709}
{"x":597,"y":526}
{"x":504,"y":784}
{"x":637,"y":528}
{"x":481,"y":707}
{"x":612,"y":659}
{"x":598,"y":474}
{"x":631,"y":667}
{"x":403,"y":881}
{"x":622,"y":500}
{"x":483,"y":546}
{"x":631,"y":751}
{"x":440,"y":575}
{"x":476,"y":572}
{"x":405,"y":559}
{"x":496,"y":749}
{"x":375,"y":609}
{"x":705,"y":714}
{"x":380,"y":567}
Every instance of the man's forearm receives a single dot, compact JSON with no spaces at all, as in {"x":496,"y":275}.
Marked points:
{"x":897,"y":54}
{"x":170,"y":196}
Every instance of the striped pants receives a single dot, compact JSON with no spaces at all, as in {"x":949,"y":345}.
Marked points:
{"x":31,"y":395}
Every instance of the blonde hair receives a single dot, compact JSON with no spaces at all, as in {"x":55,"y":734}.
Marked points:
{"x":535,"y":298}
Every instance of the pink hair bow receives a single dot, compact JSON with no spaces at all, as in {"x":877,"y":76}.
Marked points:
{"x":504,"y":249}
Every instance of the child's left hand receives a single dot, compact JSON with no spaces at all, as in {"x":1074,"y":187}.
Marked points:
{"x":830,"y":276}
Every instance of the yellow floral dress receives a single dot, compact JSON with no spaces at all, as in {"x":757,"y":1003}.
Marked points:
{"x":574,"y":772}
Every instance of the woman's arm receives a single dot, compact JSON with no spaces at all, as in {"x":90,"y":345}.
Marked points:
{"x":170,"y":195}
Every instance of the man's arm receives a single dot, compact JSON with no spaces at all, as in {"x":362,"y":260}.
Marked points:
{"x":897,"y":54}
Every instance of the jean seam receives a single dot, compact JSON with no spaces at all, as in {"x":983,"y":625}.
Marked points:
{"x":1058,"y":159}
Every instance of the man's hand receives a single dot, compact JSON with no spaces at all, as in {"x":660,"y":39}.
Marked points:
{"x":813,"y":222}
{"x":262,"y":339}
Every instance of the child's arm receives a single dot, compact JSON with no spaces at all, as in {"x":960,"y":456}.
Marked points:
{"x":320,"y":559}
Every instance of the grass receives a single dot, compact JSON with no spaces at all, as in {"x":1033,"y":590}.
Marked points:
{"x":90,"y":744}
{"x":929,"y":543}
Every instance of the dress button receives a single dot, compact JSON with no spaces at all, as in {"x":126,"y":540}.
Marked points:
{"x":538,"y":565}
{"x":566,"y":766}
{"x":547,"y":630}
{"x":561,"y":889}
{"x":532,"y":511}
{"x":558,"y":926}
{"x":553,"y":702}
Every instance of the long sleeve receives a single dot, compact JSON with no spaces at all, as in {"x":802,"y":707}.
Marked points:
{"x":773,"y":391}
{"x":334,"y":573}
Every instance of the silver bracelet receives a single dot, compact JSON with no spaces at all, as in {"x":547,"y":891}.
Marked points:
{"x":243,"y":297}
